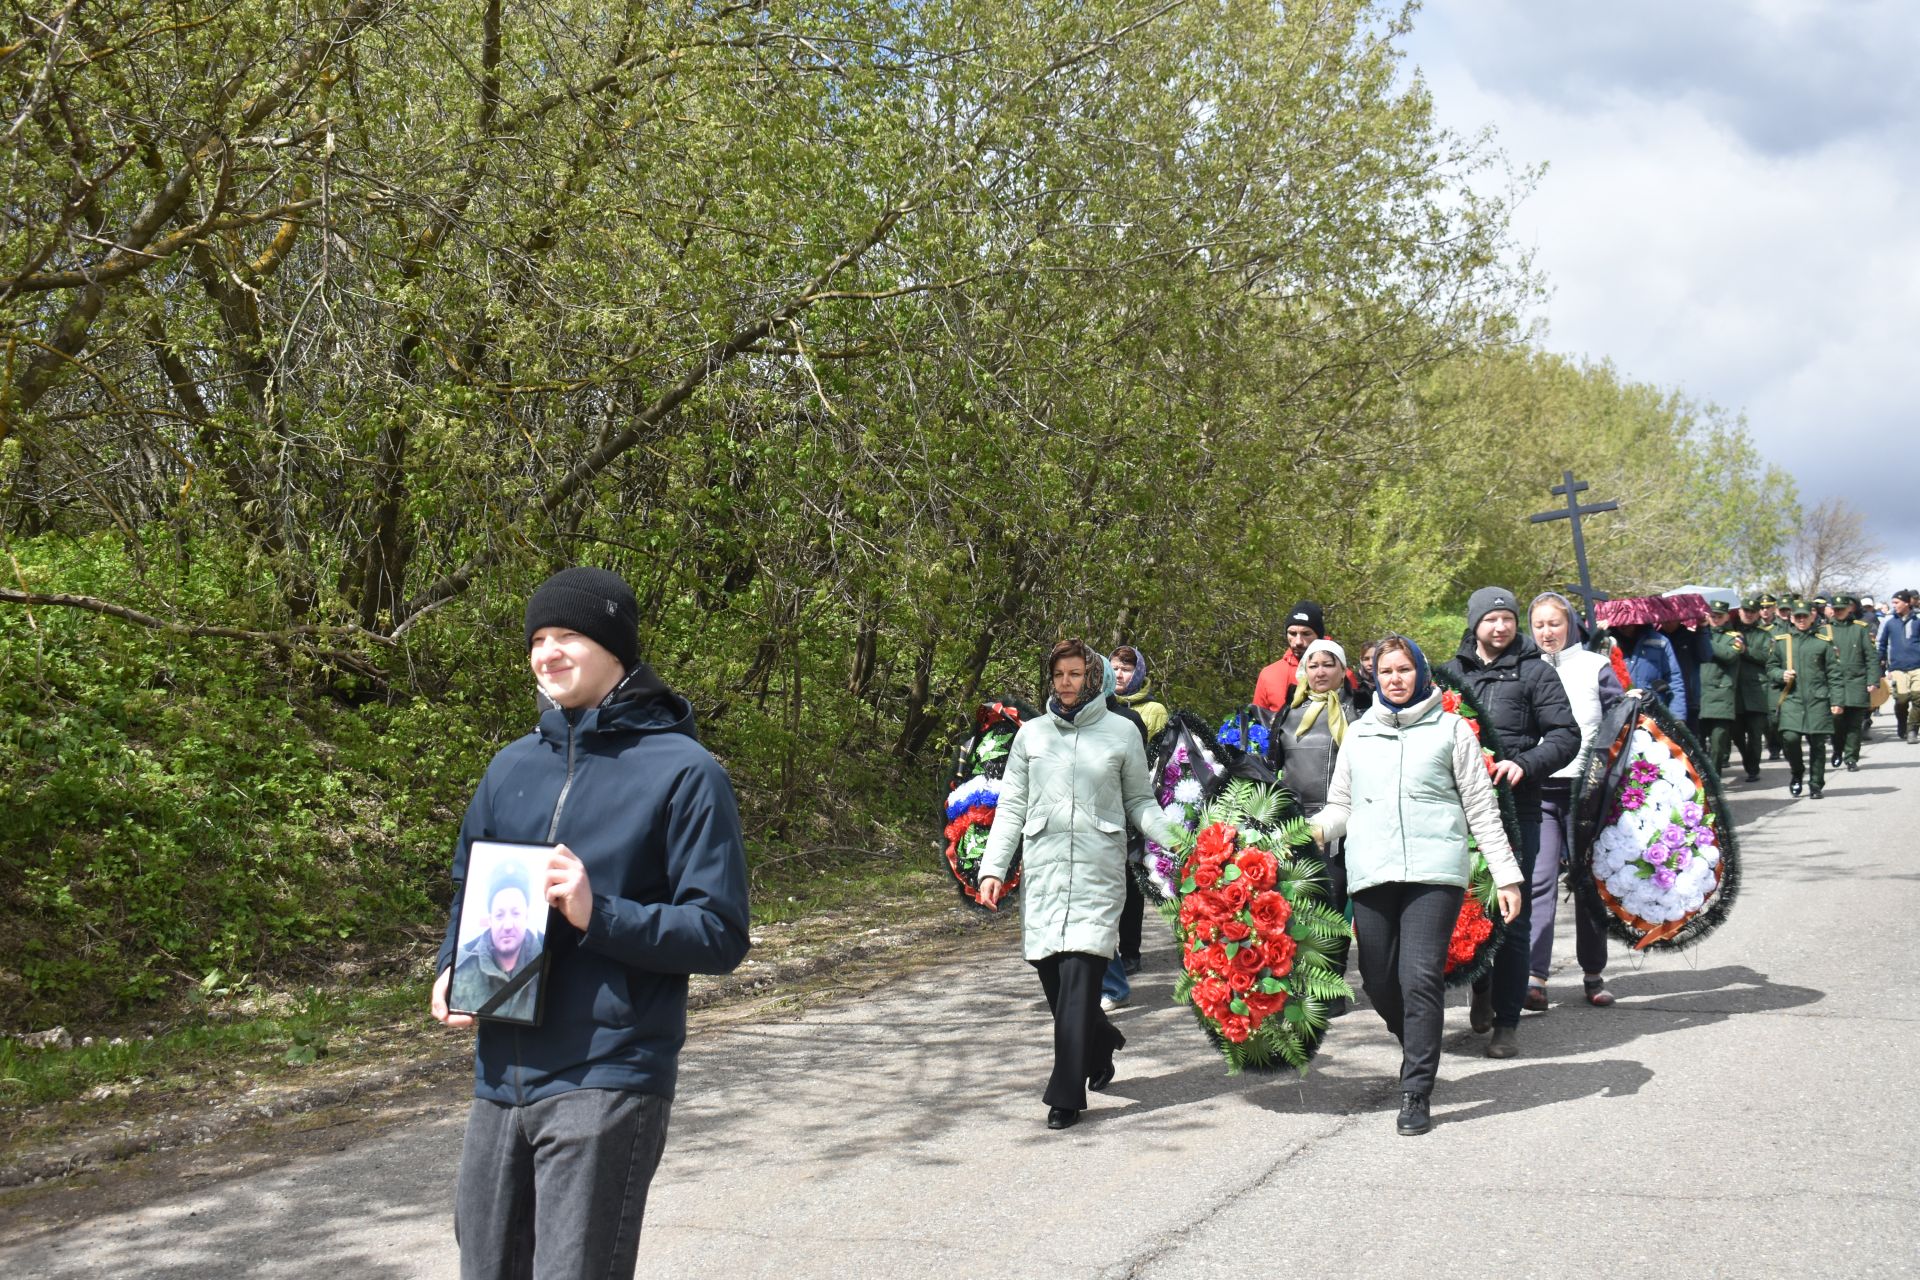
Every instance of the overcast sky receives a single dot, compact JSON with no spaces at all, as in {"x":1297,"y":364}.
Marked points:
{"x":1731,"y":207}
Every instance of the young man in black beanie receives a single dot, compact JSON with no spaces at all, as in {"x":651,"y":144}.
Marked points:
{"x":647,"y":882}
{"x":1273,"y":688}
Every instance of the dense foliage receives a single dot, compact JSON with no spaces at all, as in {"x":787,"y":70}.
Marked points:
{"x":877,"y":345}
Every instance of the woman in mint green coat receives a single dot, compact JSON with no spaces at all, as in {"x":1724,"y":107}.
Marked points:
{"x":1074,"y":777}
{"x":1409,"y":787}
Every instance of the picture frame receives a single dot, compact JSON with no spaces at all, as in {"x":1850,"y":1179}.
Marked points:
{"x":500,"y":956}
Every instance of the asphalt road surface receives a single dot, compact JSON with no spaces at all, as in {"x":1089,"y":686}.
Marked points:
{"x":1747,"y":1110}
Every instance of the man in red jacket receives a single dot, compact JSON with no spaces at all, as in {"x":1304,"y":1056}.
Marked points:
{"x":1274,"y":689}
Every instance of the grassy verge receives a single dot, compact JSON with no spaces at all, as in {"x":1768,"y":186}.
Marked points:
{"x":269,"y":1038}
{"x":208,"y":1042}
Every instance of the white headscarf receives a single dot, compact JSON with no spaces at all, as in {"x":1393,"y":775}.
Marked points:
{"x":1324,"y":645}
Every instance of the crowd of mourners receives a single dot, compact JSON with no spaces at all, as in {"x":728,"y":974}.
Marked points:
{"x":1396,"y":785}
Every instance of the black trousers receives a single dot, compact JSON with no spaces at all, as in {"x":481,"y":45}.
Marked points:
{"x":1511,"y":963}
{"x":1403,"y":931}
{"x":1084,"y":1041}
{"x":1337,"y":897}
{"x":1131,"y":913}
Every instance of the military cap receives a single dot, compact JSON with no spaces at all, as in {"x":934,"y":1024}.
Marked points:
{"x":1798,"y":606}
{"x":1820,"y":602}
{"x":1755,"y":602}
{"x":1844,"y":601}
{"x":1769,"y":601}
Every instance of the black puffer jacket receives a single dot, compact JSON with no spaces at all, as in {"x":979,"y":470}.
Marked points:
{"x":1523,"y":698}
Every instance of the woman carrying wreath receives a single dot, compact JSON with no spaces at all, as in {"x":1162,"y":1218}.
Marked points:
{"x":1074,"y":778}
{"x":1409,"y":787}
{"x":1592,"y":688}
{"x":1309,"y":736}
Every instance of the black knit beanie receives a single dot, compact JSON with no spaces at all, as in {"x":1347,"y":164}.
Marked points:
{"x":1307,"y":614}
{"x":593,"y":602}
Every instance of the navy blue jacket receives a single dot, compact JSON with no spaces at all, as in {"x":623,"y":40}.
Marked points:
{"x":631,"y":791}
{"x":1900,"y":642}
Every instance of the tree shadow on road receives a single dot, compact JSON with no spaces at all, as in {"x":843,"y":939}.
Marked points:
{"x":249,"y":1226}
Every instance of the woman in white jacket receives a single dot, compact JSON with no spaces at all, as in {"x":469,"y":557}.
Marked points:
{"x":1074,"y":778}
{"x":1592,"y":688}
{"x":1408,"y":788}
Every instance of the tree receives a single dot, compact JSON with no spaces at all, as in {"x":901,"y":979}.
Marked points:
{"x":1831,"y":551}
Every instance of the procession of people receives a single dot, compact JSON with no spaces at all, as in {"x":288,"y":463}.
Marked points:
{"x":1387,"y":769}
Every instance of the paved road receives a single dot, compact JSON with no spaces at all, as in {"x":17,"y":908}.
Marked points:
{"x":1746,"y":1110}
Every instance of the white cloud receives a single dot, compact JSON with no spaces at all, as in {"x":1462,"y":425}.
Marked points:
{"x":1728,"y":208}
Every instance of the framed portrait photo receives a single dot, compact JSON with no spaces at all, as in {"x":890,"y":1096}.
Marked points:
{"x":500,"y":963}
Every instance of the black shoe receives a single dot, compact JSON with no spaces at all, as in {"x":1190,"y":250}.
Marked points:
{"x":1753,"y":775}
{"x":1505,"y":1043}
{"x":1339,"y":1007}
{"x":1853,"y":766}
{"x":1815,"y":792}
{"x":1480,"y":1013}
{"x":1062,"y":1118}
{"x":1415,"y":1117}
{"x":1773,"y":755}
{"x":1793,"y":788}
{"x":1834,"y":763}
{"x":1130,"y":964}
{"x":1101,"y":1079}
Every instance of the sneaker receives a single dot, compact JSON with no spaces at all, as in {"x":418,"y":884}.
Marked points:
{"x":1109,"y":1003}
{"x":1415,"y":1116}
{"x":1505,"y":1043}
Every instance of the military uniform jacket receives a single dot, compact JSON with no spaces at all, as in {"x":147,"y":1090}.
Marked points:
{"x":1751,"y":671}
{"x":1808,"y":706}
{"x":1720,"y":677}
{"x":1856,"y":663}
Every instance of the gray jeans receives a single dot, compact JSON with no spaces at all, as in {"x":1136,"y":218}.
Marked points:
{"x":557,"y":1188}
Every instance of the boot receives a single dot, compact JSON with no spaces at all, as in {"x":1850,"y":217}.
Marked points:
{"x":1480,"y":1013}
{"x":1505,"y":1043}
{"x":1415,"y":1116}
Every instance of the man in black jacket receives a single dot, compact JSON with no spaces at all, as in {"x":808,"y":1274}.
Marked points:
{"x":647,"y":883}
{"x":1524,"y":701}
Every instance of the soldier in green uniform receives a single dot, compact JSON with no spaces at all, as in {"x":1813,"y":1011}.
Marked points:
{"x":1800,"y":667}
{"x":1756,"y":696}
{"x":1773,"y":621}
{"x":1856,"y":667}
{"x":1720,"y":686}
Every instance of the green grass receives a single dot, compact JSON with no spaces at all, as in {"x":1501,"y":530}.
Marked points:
{"x":205,"y":1042}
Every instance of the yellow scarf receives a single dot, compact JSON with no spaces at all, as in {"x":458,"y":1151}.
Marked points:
{"x":1330,"y":700}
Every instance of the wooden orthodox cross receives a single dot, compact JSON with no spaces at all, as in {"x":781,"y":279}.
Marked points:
{"x":1572,"y":490}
